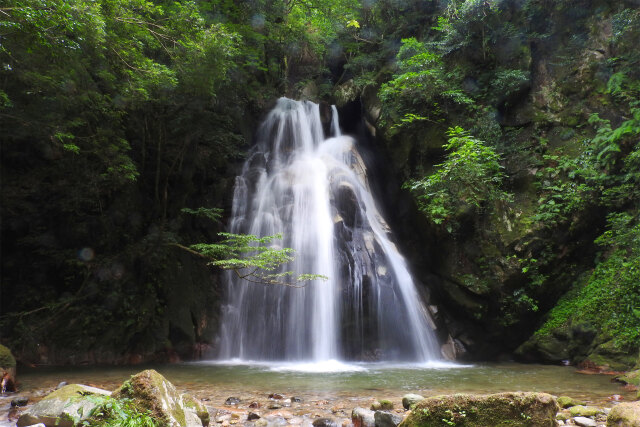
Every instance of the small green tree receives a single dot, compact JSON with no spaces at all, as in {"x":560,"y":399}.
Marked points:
{"x":470,"y":177}
{"x":254,"y":259}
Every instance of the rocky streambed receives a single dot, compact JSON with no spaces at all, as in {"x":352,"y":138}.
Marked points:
{"x":198,"y":406}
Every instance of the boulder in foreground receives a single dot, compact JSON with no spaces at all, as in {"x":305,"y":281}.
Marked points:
{"x":625,"y":415}
{"x":150,"y":390}
{"x":62,"y":408}
{"x":492,"y":410}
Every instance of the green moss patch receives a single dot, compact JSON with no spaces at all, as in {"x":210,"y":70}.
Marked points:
{"x":494,"y":410}
{"x":6,"y":358}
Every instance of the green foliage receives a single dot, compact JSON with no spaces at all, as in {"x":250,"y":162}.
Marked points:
{"x":117,"y":413}
{"x":507,"y":82}
{"x":6,"y":358}
{"x":565,"y":189}
{"x":253,"y":258}
{"x":213,"y":214}
{"x":470,"y":177}
{"x":609,"y":299}
{"x":467,"y":22}
{"x":115,"y":114}
{"x":605,"y":172}
{"x":422,"y":88}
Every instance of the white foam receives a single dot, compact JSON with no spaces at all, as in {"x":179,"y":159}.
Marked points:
{"x":332,"y":365}
{"x":431,"y":364}
{"x":327,"y":366}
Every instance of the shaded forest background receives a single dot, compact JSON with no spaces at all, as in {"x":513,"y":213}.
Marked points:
{"x":510,"y":131}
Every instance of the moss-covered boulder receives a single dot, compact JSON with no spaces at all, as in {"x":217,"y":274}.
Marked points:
{"x":625,"y":415}
{"x":62,"y":408}
{"x":493,"y":410}
{"x":585,"y":411}
{"x":7,"y":369}
{"x":568,"y":402}
{"x":631,"y":378}
{"x":150,"y":390}
{"x":6,"y":358}
{"x":382,"y":405}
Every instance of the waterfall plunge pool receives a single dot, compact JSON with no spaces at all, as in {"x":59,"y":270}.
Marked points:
{"x":352,"y":384}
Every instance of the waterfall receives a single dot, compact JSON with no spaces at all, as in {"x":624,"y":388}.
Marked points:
{"x":315,"y":192}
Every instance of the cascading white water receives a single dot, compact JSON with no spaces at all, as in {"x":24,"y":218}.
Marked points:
{"x":315,"y":192}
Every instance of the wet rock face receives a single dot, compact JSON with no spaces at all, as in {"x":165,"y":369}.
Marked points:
{"x":502,"y":409}
{"x":347,"y":204}
{"x":152,"y":391}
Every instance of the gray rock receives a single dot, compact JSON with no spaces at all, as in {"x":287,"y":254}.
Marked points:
{"x":232,"y":401}
{"x":253,"y":416}
{"x":62,"y":384}
{"x":223,"y":418}
{"x":361,"y":417}
{"x":386,"y":419}
{"x":62,"y":408}
{"x":272,"y":421}
{"x":410,"y":399}
{"x":20,"y":401}
{"x":584,"y":422}
{"x":324,"y":422}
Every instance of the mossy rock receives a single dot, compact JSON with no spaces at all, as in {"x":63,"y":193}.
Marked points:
{"x":150,"y":390}
{"x":632,"y":377}
{"x":382,"y":405}
{"x":568,"y":402}
{"x":493,"y":410}
{"x":624,"y":415}
{"x":547,"y":347}
{"x":7,"y":369}
{"x":62,"y":408}
{"x":408,"y":400}
{"x":6,"y":358}
{"x":617,"y":359}
{"x":585,"y":411}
